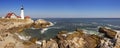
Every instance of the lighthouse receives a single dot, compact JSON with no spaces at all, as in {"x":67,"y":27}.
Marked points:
{"x":22,"y":12}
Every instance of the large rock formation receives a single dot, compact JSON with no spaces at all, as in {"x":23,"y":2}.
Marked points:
{"x":7,"y":30}
{"x":9,"y":24}
{"x":76,"y":39}
{"x":40,"y":23}
{"x":108,"y":32}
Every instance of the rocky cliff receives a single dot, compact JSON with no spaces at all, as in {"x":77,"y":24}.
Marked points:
{"x":9,"y":29}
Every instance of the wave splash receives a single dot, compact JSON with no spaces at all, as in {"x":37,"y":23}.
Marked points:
{"x":45,"y":29}
{"x":22,"y":37}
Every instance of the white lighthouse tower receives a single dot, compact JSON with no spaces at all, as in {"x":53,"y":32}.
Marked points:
{"x":22,"y":12}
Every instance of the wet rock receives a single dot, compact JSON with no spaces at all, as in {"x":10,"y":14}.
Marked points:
{"x":108,"y":32}
{"x":33,"y":40}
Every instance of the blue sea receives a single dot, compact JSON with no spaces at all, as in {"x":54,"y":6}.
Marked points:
{"x":89,"y":25}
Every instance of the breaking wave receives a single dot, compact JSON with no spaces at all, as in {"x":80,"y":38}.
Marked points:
{"x":22,"y":37}
{"x":44,"y":29}
{"x":116,"y":26}
{"x":51,"y":24}
{"x":90,"y":32}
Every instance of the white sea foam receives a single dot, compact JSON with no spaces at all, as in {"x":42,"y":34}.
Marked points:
{"x":51,"y":24}
{"x":90,"y":32}
{"x":38,"y":42}
{"x":44,"y":29}
{"x":23,"y":37}
{"x":107,"y":27}
{"x":70,"y":33}
{"x":55,"y":27}
{"x":116,"y":26}
{"x":118,"y":31}
{"x":99,"y":26}
{"x":64,"y":35}
{"x":33,"y":28}
{"x":85,"y":31}
{"x":54,"y":22}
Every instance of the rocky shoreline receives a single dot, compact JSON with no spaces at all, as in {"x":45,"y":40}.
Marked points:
{"x":78,"y":39}
{"x":9,"y":28}
{"x":75,"y":39}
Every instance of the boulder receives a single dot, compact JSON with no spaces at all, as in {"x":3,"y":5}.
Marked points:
{"x":40,"y":23}
{"x":108,"y":32}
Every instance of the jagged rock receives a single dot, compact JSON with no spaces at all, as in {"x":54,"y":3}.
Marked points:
{"x":61,"y":35}
{"x":7,"y":30}
{"x":75,"y":34}
{"x":108,"y":32}
{"x":76,"y":42}
{"x":92,"y":41}
{"x":117,"y":43}
{"x":77,"y":39}
{"x":49,"y":44}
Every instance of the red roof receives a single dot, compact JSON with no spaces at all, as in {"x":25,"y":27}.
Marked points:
{"x":27,"y":16}
{"x":9,"y":15}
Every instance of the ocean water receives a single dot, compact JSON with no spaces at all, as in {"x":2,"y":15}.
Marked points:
{"x":89,"y":25}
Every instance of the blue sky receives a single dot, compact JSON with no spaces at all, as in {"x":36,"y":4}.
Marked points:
{"x":63,"y":8}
